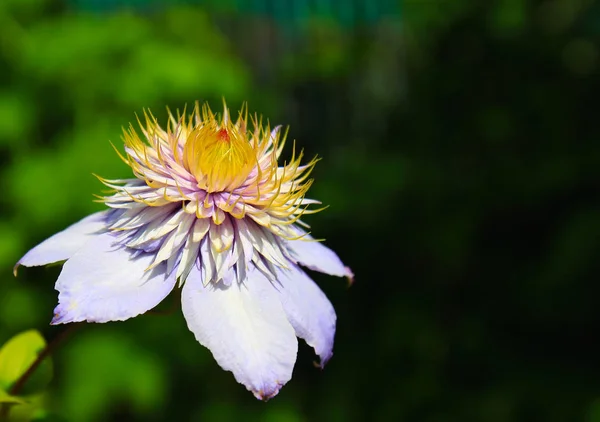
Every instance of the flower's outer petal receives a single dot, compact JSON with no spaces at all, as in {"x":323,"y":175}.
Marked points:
{"x":64,"y":244}
{"x":308,"y":310}
{"x":245,"y":328}
{"x":102,"y":282}
{"x":318,"y":257}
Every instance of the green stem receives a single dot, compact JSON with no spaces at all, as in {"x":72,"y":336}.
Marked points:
{"x":20,"y":383}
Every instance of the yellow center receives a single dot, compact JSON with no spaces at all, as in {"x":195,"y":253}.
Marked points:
{"x":221,"y":158}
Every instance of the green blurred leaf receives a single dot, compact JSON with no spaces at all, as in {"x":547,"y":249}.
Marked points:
{"x":17,"y":355}
{"x":6,"y":398}
{"x":117,"y":371}
{"x":44,"y":416}
{"x":29,"y":410}
{"x":16,"y":112}
{"x":19,"y":306}
{"x":10,"y":243}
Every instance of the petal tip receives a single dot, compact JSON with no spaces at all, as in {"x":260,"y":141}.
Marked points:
{"x":349,"y":276}
{"x":267,"y":393}
{"x":324,"y":359}
{"x":58,"y":319}
{"x":62,"y":316}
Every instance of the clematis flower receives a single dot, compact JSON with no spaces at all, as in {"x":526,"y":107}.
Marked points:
{"x":212,"y":212}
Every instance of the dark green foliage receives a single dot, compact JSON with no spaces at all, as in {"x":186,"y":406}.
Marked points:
{"x":461,"y":157}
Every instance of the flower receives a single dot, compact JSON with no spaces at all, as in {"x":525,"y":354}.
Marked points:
{"x":212,"y":212}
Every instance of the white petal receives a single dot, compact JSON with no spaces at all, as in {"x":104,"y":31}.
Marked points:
{"x":133,"y":218}
{"x":157,"y":228}
{"x":102,"y":282}
{"x":318,"y":257}
{"x":191,"y":249}
{"x":175,"y":239}
{"x":266,"y":244}
{"x":243,"y":239}
{"x":245,"y":328}
{"x":64,"y":244}
{"x":308,"y":310}
{"x":221,"y":243}
{"x":207,"y":262}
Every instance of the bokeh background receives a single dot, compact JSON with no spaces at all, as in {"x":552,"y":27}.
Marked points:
{"x":460,"y":150}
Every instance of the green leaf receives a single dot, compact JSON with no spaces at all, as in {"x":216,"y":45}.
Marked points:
{"x":6,"y":398}
{"x":49,"y":417}
{"x":17,"y":355}
{"x":117,"y":370}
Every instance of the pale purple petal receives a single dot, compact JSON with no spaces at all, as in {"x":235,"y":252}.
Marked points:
{"x":308,"y":310}
{"x":318,"y":257}
{"x":245,"y":328}
{"x":102,"y":282}
{"x":64,"y":244}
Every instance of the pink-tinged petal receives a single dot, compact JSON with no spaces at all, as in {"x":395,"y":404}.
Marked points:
{"x":318,"y":257}
{"x":64,"y":244}
{"x":245,"y":328}
{"x":103,"y":282}
{"x":308,"y":310}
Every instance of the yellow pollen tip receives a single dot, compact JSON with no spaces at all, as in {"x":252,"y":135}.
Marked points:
{"x":218,"y":153}
{"x":222,"y":135}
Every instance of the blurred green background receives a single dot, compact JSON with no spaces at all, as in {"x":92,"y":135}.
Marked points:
{"x":461,"y":149}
